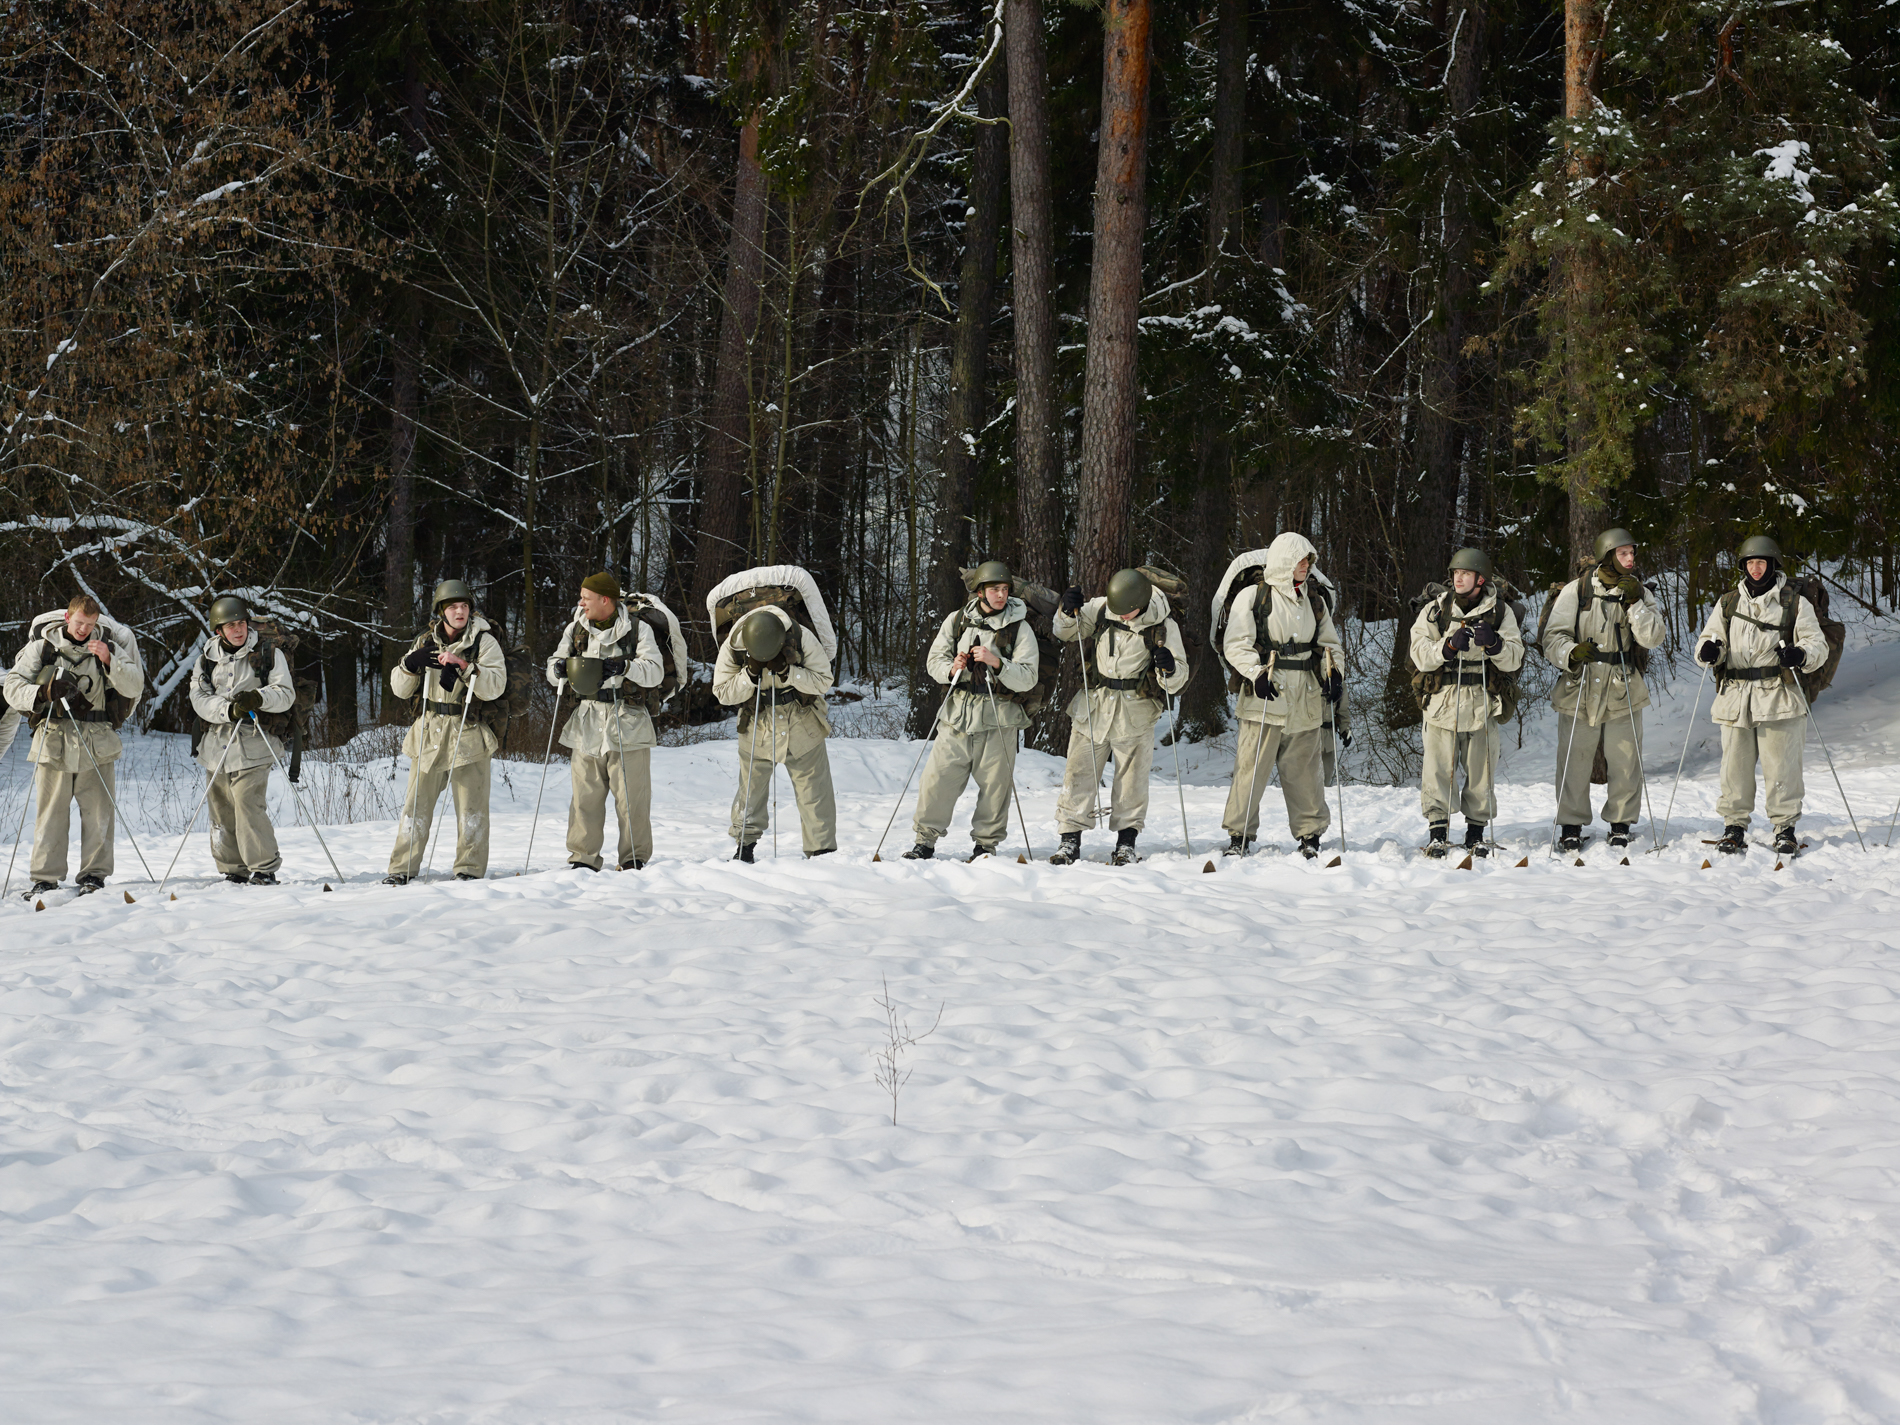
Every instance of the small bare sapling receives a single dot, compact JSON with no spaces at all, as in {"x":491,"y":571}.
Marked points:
{"x":891,"y":1075}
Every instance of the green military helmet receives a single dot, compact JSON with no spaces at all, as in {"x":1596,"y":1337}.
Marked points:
{"x":761,"y":635}
{"x":1612,"y":540}
{"x":451,"y":591}
{"x":1476,"y":560}
{"x":993,"y":571}
{"x":1129,"y":592}
{"x":228,"y":608}
{"x":1758,"y":546}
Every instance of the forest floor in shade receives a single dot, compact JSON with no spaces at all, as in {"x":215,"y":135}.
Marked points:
{"x":1387,"y":1142}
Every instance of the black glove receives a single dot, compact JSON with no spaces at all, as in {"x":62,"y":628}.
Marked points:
{"x":248,"y":701}
{"x":1581,"y":654}
{"x":1345,"y":738}
{"x":1263,"y":687}
{"x":1072,"y":599}
{"x":60,"y":689}
{"x":1710,"y":652}
{"x":446,"y":675}
{"x":1792,"y":656}
{"x":1458,"y":642}
{"x":1487,"y":637}
{"x":612,"y":667}
{"x":1630,"y":588}
{"x":782,"y":664}
{"x":1162,"y":657}
{"x":1333,"y":686}
{"x":420,"y":658}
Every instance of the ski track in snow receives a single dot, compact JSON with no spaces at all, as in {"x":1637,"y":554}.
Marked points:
{"x":1386,"y":1142}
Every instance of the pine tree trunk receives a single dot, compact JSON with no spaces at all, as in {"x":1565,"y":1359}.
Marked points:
{"x":1203,"y":703}
{"x":1032,"y":253}
{"x":1111,"y":392}
{"x":963,"y":414}
{"x":723,"y":509}
{"x":1444,"y":375}
{"x":1583,"y":33}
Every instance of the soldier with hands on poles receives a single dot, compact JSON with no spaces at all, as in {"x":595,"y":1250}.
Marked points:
{"x":988,"y":668}
{"x":240,"y":674}
{"x":449,"y":672}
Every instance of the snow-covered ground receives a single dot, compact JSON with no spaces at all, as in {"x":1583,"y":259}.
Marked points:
{"x":1385,"y":1142}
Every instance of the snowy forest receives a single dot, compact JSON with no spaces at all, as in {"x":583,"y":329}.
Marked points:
{"x":322,"y":302}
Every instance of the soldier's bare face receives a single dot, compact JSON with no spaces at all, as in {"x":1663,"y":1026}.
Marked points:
{"x":236,"y":631}
{"x":1463,"y":581}
{"x":994,"y":596}
{"x":80,"y":626}
{"x":597,"y":607}
{"x":1626,"y":557}
{"x":455,"y":615}
{"x":1757,"y":569}
{"x":1302,"y":569}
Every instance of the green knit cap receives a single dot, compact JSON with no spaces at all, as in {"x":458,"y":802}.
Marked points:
{"x":603,"y":584}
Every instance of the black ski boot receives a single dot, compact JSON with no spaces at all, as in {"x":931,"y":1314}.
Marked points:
{"x":238,"y":878}
{"x":1438,"y":843}
{"x":1309,"y":847}
{"x":38,"y":888}
{"x":821,"y":851}
{"x":88,"y":884}
{"x":1070,"y":851}
{"x":1237,"y":845}
{"x":263,"y":878}
{"x":1125,"y":853}
{"x":744,"y":853}
{"x":1619,"y":834}
{"x":920,"y":852}
{"x":632,"y":863}
{"x":471,"y":876}
{"x":1571,"y":839}
{"x":1474,"y":839}
{"x":979,"y":851}
{"x":1786,"y":843}
{"x":395,"y":878}
{"x":1734,"y":841}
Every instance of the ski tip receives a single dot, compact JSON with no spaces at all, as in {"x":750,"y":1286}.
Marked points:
{"x":1022,"y":860}
{"x":1706,"y":863}
{"x":39,"y":905}
{"x":1624,"y":862}
{"x":1578,"y":862}
{"x":1208,"y":869}
{"x":1777,"y":865}
{"x":875,"y":858}
{"x":1525,"y":862}
{"x":129,"y":900}
{"x":1334,"y":862}
{"x":174,"y":895}
{"x":1465,"y":865}
{"x":326,"y":886}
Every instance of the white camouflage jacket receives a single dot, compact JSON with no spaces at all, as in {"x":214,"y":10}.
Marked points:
{"x":442,"y":739}
{"x":1747,"y":644}
{"x":1121,"y":714}
{"x":56,"y":742}
{"x":231,"y":673}
{"x":604,"y":729}
{"x":1299,"y":706}
{"x":972,"y":711}
{"x":1459,"y":706}
{"x":1604,"y":689}
{"x":784,"y":727}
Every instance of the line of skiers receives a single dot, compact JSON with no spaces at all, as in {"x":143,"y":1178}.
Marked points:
{"x":1272,"y":625}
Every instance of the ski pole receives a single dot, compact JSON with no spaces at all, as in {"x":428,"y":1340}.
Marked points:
{"x":931,"y":737}
{"x":1642,"y":774}
{"x":1890,"y":824}
{"x":774,"y":772}
{"x":745,"y":794}
{"x":1670,"y":810}
{"x":296,"y":796}
{"x":1174,"y":711}
{"x":1808,"y":712}
{"x":1088,"y":698}
{"x":455,"y":750}
{"x":230,"y":737}
{"x":19,"y":831}
{"x":996,"y":717}
{"x":1563,"y":765}
{"x":1339,"y":764}
{"x":111,"y":800}
{"x":554,"y":720}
